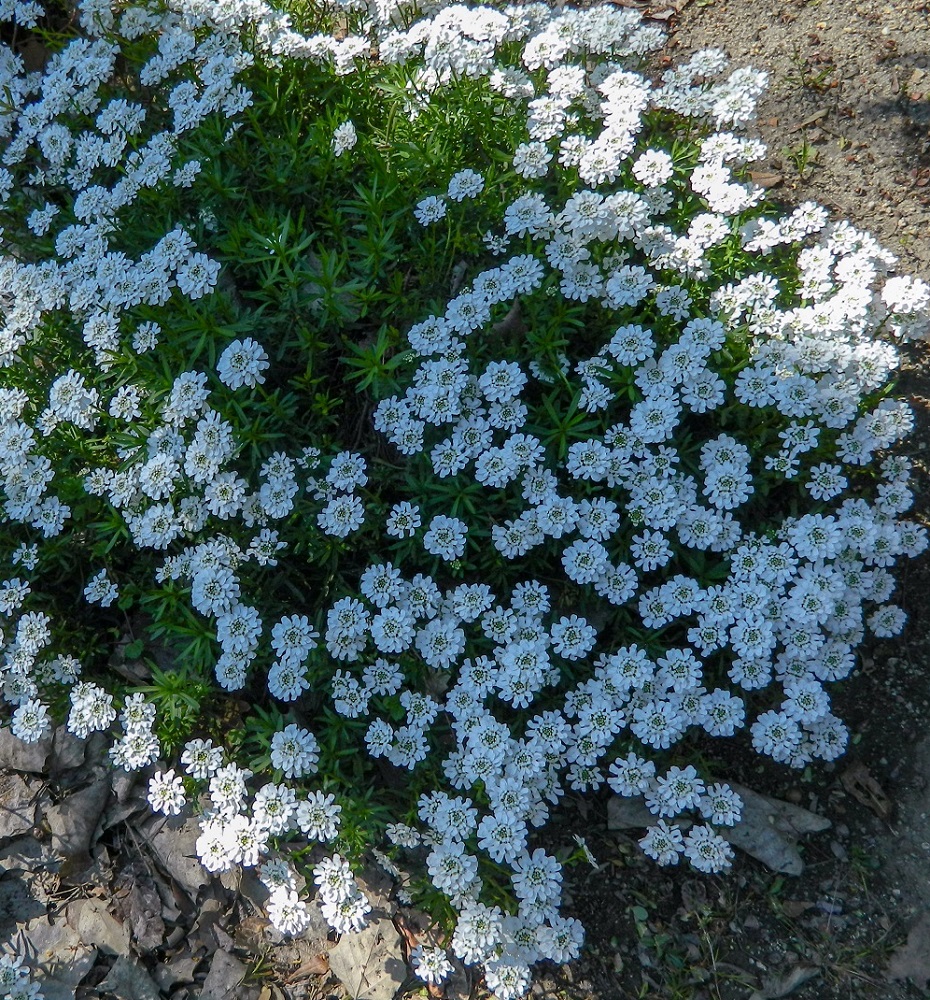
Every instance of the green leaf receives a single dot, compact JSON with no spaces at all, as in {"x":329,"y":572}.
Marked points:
{"x":134,"y":650}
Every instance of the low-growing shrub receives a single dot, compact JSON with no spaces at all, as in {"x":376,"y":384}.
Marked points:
{"x":412,"y":412}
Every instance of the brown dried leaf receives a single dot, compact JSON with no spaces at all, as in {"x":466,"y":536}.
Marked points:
{"x":17,"y":755}
{"x":512,"y":322}
{"x":129,"y":980}
{"x":137,"y":901}
{"x":172,"y":840}
{"x":411,"y":940}
{"x":769,"y":830}
{"x":225,"y":980}
{"x":57,"y":956}
{"x":97,"y":927}
{"x":17,"y":905}
{"x":67,"y":751}
{"x":250,"y":934}
{"x":74,"y":819}
{"x":206,"y":932}
{"x":774,"y":989}
{"x":912,"y":959}
{"x":369,"y":963}
{"x":316,"y":965}
{"x":17,"y":805}
{"x":809,"y":121}
{"x":860,"y":784}
{"x":407,"y":932}
{"x":766,"y":179}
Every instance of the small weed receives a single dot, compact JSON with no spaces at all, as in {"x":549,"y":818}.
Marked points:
{"x":815,"y":72}
{"x":803,"y":157}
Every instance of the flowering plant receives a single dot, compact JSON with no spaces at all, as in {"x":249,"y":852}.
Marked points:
{"x":432,"y":381}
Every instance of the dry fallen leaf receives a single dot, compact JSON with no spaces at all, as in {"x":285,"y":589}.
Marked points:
{"x":129,"y":980}
{"x":316,"y":965}
{"x":226,"y":980}
{"x":97,"y":927}
{"x":858,"y":781}
{"x":628,"y":813}
{"x":17,"y":905}
{"x":18,"y":799}
{"x":774,"y":989}
{"x":74,"y":819}
{"x":809,"y":121}
{"x":769,"y":830}
{"x":137,"y":901}
{"x":411,"y":940}
{"x":369,"y":963}
{"x":512,"y":322}
{"x":16,"y":755}
{"x":172,"y":840}
{"x":57,"y":956}
{"x":912,"y":959}
{"x":766,"y":179}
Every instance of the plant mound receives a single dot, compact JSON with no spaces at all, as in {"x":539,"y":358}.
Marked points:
{"x":433,"y":416}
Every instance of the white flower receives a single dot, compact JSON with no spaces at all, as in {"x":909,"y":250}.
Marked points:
{"x":197,"y":275}
{"x":663,"y":843}
{"x":242,"y":363}
{"x":430,"y":964}
{"x":403,"y":520}
{"x":445,"y":537}
{"x":465,"y":184}
{"x":166,"y":793}
{"x":334,"y":878}
{"x":721,"y":805}
{"x":342,"y":515}
{"x":294,"y":751}
{"x":201,"y":758}
{"x":430,"y":209}
{"x":345,"y":137}
{"x":286,"y":911}
{"x":101,"y":590}
{"x":30,"y":721}
{"x":706,"y":850}
{"x":346,"y":915}
{"x":318,"y":816}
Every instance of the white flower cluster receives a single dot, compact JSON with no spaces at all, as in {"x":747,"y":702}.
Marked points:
{"x":138,"y":746}
{"x":16,"y":981}
{"x":600,"y":463}
{"x":87,"y":274}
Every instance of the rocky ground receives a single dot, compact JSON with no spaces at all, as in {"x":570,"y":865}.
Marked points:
{"x":130,"y":915}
